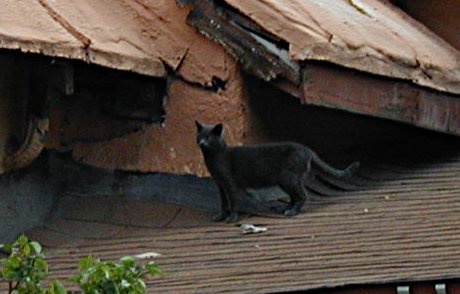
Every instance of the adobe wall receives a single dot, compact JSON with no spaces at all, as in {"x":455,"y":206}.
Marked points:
{"x":171,"y":147}
{"x":207,"y":85}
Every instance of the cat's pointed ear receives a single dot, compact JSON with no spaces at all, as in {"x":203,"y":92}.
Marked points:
{"x":218,"y":130}
{"x":198,"y":125}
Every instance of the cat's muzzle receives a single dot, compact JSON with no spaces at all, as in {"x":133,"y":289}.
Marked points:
{"x":202,"y":144}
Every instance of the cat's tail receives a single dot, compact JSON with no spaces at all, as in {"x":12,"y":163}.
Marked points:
{"x":339,"y":173}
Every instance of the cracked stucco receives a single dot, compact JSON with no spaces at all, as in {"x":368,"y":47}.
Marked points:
{"x":147,"y":37}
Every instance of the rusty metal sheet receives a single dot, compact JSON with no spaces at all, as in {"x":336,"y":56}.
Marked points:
{"x":372,"y":36}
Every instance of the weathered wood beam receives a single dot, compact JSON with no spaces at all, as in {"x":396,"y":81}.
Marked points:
{"x":257,"y":58}
{"x":324,"y":84}
{"x":354,"y":91}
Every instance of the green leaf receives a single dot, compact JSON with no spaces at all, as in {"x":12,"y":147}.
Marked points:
{"x":124,"y":276}
{"x":14,"y":262}
{"x":26,"y":249}
{"x":36,"y":246}
{"x":124,"y":284}
{"x":41,"y":265}
{"x":106,"y":272}
{"x":142,"y":284}
{"x":85,"y":263}
{"x":22,"y":240}
{"x":128,"y":261}
{"x":57,"y":288}
{"x":6,"y":247}
{"x":153,"y":269}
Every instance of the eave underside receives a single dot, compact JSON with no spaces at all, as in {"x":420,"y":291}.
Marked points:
{"x":357,"y":90}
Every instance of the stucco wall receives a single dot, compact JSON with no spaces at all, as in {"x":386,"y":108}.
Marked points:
{"x":204,"y":84}
{"x":171,"y":147}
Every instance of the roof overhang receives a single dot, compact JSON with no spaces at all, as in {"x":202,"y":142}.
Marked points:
{"x":121,"y":35}
{"x":373,"y":36}
{"x":387,"y":65}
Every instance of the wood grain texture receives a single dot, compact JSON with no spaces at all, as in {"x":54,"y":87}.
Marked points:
{"x":403,"y":228}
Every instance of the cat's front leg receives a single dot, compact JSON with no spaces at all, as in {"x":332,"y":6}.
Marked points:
{"x":221,"y":216}
{"x":232,"y":217}
{"x":232,"y":193}
{"x":224,"y":212}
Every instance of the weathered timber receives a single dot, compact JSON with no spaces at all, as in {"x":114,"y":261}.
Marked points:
{"x":350,"y":90}
{"x":323,"y":84}
{"x":256,"y":58}
{"x":33,"y":144}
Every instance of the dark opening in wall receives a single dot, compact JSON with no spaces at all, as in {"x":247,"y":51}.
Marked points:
{"x":278,"y":116}
{"x":84,"y":102}
{"x":107,"y":103}
{"x":123,"y":94}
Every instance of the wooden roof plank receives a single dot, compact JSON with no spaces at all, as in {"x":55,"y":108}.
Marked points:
{"x":371,"y":36}
{"x":26,"y":25}
{"x":406,"y":234}
{"x":259,"y":59}
{"x":357,"y":92}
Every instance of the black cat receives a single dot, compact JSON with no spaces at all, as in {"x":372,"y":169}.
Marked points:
{"x":236,"y":168}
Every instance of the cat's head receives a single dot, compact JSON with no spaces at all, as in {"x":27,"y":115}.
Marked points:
{"x":210,"y":137}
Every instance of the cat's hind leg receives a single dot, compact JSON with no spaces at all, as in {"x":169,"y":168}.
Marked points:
{"x":293,"y":185}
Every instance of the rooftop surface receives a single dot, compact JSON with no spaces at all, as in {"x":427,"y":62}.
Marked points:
{"x":403,"y":226}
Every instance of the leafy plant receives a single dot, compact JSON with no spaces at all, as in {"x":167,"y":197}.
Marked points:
{"x":123,"y":277}
{"x":26,"y":267}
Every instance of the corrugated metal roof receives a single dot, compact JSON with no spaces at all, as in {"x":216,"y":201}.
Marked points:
{"x":405,"y":227}
{"x":372,"y":36}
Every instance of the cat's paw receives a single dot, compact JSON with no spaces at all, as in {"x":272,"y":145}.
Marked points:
{"x":220,"y":217}
{"x":232,"y":218}
{"x":291,"y":212}
{"x":279,"y":209}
